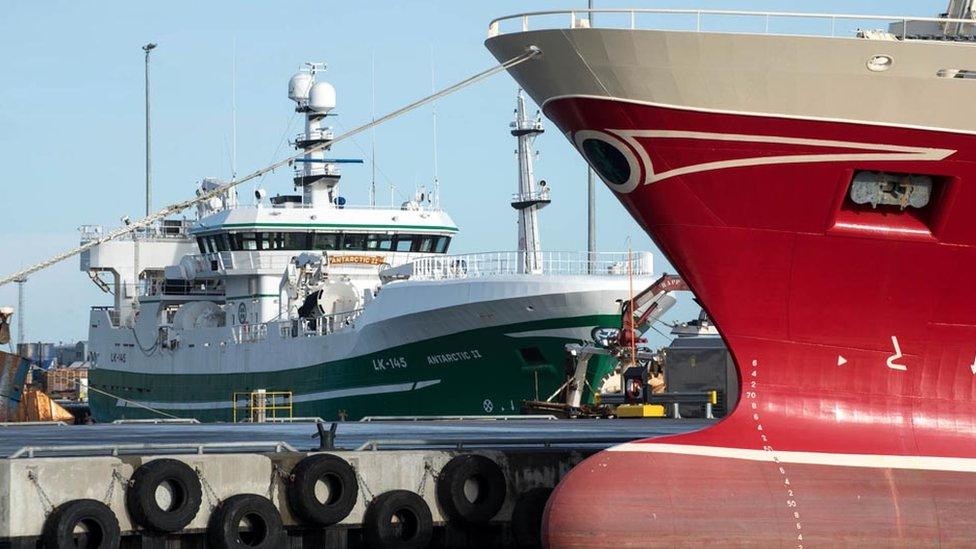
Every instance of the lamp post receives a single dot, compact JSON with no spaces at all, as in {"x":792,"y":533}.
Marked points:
{"x":148,"y":48}
{"x":590,"y":196}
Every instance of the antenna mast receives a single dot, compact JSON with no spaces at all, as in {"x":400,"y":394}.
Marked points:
{"x":433,"y":110}
{"x":233,"y":114}
{"x":21,"y":309}
{"x":372,"y":131}
{"x":528,"y":201}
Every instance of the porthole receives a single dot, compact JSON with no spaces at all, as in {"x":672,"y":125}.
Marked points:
{"x":610,"y":158}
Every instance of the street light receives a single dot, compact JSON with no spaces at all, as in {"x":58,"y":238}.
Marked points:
{"x":148,"y":48}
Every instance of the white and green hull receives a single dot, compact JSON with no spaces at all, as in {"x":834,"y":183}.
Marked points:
{"x":469,"y":346}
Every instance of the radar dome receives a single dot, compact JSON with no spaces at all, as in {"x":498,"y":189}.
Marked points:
{"x":299,"y":87}
{"x":322,"y":97}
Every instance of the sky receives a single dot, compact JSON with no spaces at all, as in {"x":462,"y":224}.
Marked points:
{"x":72,"y":120}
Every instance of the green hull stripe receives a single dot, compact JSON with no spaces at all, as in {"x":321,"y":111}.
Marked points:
{"x":473,"y":372}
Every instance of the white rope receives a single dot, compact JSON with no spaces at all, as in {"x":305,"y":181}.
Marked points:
{"x":180,"y":206}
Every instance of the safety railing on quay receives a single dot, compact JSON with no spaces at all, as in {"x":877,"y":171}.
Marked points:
{"x":705,"y":20}
{"x":547,"y":263}
{"x":175,"y":448}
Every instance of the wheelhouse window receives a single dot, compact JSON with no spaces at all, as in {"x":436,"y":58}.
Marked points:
{"x":404,"y":242}
{"x":325,"y":241}
{"x":379,"y":242}
{"x":442,"y":243}
{"x":321,"y":241}
{"x":352,"y":241}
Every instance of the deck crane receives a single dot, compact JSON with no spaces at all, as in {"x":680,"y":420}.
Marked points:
{"x":177,"y":207}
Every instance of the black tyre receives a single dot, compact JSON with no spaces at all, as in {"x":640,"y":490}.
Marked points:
{"x":163,"y":495}
{"x":322,"y":489}
{"x":471,"y":489}
{"x":246,"y":521}
{"x":397,"y":519}
{"x":81,"y":523}
{"x":527,"y":517}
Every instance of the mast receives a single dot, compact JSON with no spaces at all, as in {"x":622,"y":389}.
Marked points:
{"x":148,"y":48}
{"x":436,"y":201}
{"x":315,"y":175}
{"x":530,"y":198}
{"x":372,"y":131}
{"x":233,"y":114}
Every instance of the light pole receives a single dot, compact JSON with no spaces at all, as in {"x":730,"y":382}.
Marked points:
{"x":591,"y":195}
{"x":148,"y":48}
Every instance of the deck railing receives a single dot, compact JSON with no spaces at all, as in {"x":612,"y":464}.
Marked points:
{"x":547,"y":263}
{"x":763,"y":22}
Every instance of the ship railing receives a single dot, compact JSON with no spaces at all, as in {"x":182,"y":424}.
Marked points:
{"x":250,"y":333}
{"x":424,"y":207}
{"x":545,"y":263}
{"x":165,"y":229}
{"x":295,"y":328}
{"x":905,"y":27}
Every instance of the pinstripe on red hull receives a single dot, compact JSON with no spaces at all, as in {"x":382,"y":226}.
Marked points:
{"x":854,"y":331}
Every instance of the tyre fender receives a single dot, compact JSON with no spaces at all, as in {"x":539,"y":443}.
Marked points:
{"x":185,"y":494}
{"x":339,"y":479}
{"x":264,"y":528}
{"x":398,"y":519}
{"x":471,"y":489}
{"x":100,"y":523}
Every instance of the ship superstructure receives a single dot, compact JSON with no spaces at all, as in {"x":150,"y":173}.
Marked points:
{"x":341,"y":311}
{"x":810,"y":177}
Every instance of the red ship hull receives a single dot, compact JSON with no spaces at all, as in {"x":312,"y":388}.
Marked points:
{"x":853,"y":329}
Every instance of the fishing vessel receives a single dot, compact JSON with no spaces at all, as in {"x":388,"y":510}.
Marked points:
{"x":302,"y":305}
{"x":809,"y":176}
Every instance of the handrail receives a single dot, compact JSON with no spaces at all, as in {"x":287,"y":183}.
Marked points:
{"x":116,"y":449}
{"x":494,"y":27}
{"x":374,"y":444}
{"x":158,"y":421}
{"x":369,"y":419}
{"x":503,"y":263}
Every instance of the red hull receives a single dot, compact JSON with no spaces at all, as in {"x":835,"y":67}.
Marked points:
{"x":852,"y":328}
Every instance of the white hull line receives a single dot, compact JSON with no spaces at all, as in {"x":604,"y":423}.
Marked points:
{"x":873,"y":461}
{"x":891,"y":152}
{"x":307,"y":397}
{"x":760,"y":114}
{"x":565,"y":333}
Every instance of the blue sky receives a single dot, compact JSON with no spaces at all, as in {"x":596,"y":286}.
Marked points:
{"x":71,"y":118}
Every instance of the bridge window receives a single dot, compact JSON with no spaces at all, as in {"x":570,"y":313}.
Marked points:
{"x":325,"y":241}
{"x":353,"y":242}
{"x":442,"y":243}
{"x":379,"y":242}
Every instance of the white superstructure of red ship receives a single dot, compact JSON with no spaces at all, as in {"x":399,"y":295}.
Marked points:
{"x":818,"y":194}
